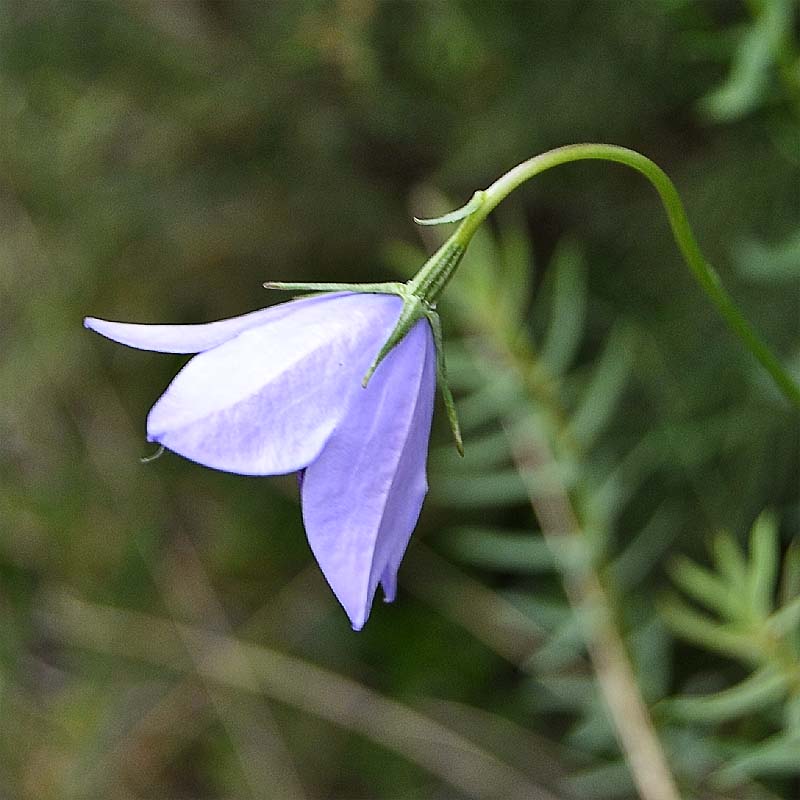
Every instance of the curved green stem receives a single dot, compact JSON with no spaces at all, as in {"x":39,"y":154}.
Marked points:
{"x":703,"y":272}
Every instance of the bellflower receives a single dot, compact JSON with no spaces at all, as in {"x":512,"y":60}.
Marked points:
{"x":337,"y":387}
{"x":280,"y":390}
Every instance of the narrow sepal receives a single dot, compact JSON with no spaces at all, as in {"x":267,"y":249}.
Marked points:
{"x":413,"y":310}
{"x":444,"y":386}
{"x":476,"y":201}
{"x":356,"y":288}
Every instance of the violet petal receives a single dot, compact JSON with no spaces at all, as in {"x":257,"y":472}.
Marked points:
{"x":194,"y":338}
{"x":362,"y":496}
{"x":266,"y":401}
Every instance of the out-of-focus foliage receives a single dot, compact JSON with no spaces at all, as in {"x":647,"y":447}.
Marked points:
{"x":757,"y":624}
{"x":163,"y":630}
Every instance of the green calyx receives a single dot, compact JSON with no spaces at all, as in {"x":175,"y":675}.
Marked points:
{"x":419,"y":296}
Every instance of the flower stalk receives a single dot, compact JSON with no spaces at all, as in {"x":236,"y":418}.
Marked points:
{"x":703,"y":272}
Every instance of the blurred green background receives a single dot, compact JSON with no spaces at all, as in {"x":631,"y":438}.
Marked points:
{"x":164,"y":632}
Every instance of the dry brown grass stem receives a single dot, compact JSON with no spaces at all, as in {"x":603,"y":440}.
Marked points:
{"x":634,"y":728}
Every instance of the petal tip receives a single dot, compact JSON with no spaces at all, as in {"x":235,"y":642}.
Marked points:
{"x":389,"y":584}
{"x":357,"y":623}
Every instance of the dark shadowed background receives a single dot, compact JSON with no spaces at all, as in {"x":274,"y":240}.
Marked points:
{"x":164,"y":631}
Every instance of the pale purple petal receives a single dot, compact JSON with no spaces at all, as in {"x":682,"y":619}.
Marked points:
{"x":266,"y":401}
{"x":362,"y":496}
{"x":400,"y":517}
{"x":194,"y":338}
